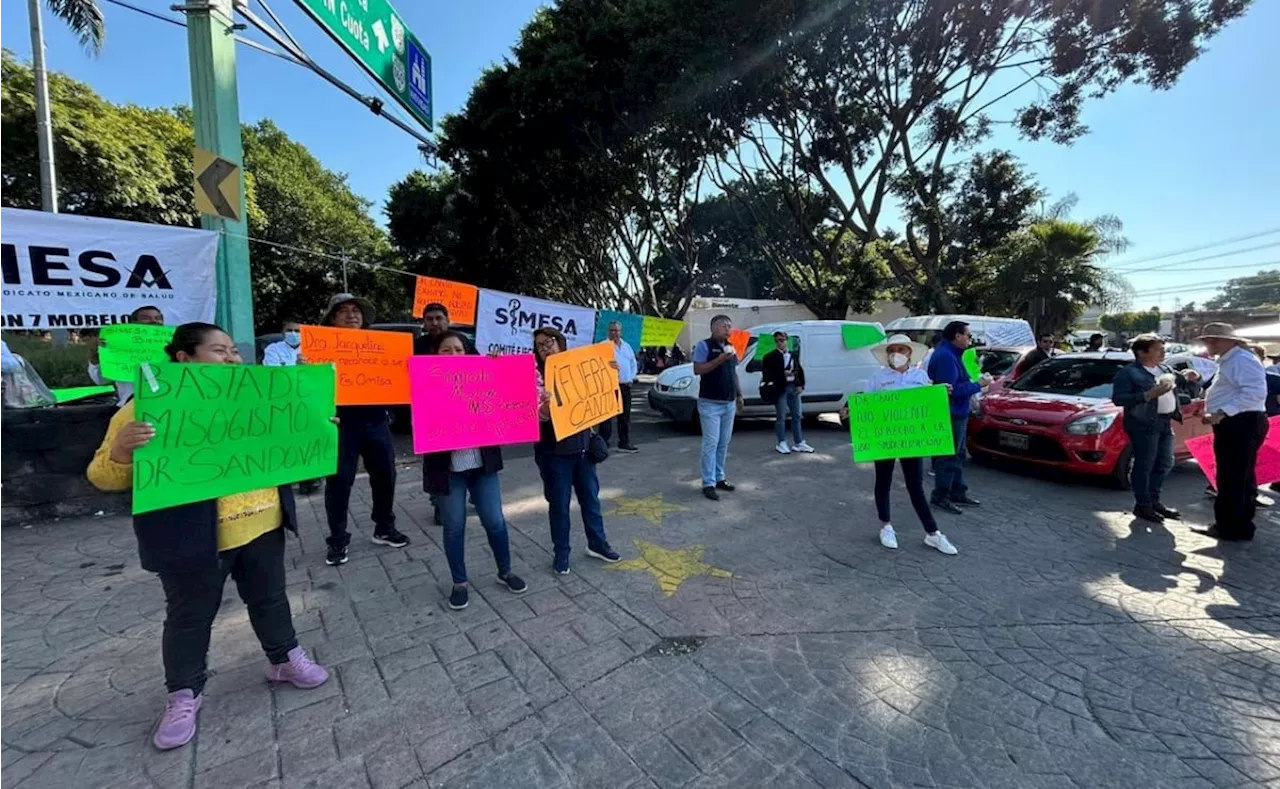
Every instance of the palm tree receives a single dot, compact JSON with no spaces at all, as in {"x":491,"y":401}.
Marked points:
{"x":85,"y":19}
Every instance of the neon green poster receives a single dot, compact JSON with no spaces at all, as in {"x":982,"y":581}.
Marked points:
{"x":970,"y":361}
{"x":860,"y":336}
{"x":127,"y":345}
{"x":902,"y":423}
{"x":231,"y":428}
{"x":765,"y":345}
{"x":80,"y":392}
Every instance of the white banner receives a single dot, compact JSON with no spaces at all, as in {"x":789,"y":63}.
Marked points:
{"x":506,"y":322}
{"x":64,"y":271}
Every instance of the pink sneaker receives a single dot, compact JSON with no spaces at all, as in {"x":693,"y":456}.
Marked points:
{"x":300,"y":671}
{"x":178,"y":724}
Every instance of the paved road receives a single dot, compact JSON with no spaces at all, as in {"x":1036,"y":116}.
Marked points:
{"x":765,"y":641}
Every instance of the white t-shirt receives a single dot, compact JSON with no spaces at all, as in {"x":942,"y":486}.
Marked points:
{"x":786,"y":365}
{"x":1167,"y":403}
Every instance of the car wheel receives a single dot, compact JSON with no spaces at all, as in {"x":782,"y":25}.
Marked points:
{"x":1124,"y":467}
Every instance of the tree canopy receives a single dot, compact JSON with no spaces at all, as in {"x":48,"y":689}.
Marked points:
{"x":1251,"y":292}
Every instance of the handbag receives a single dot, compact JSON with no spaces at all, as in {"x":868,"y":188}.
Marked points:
{"x":769,"y":391}
{"x":597,"y":449}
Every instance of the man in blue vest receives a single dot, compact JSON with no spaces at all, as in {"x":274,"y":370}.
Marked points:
{"x":950,"y":491}
{"x":715,"y":362}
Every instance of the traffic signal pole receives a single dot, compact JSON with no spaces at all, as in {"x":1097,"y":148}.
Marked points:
{"x":215,"y":102}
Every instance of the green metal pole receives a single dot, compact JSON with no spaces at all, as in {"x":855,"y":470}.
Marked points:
{"x":216,"y":105}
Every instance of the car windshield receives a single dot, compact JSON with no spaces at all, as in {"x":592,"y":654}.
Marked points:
{"x":997,"y":363}
{"x":1067,"y":376}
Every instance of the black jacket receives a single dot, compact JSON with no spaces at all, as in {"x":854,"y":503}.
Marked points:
{"x":774,"y":373}
{"x":436,"y":468}
{"x":184,"y":538}
{"x":1030,"y":360}
{"x":1129,"y":391}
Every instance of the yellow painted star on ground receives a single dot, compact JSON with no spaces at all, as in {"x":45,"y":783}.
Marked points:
{"x":651,"y":508}
{"x":671,"y":567}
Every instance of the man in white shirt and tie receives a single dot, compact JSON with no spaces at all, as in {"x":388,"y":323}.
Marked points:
{"x":625,"y":357}
{"x":1236,"y":406}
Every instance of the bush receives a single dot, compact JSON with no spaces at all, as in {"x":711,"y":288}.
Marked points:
{"x":59,"y":367}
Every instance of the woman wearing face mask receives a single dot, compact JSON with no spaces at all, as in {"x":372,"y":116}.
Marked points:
{"x":896,"y":353}
{"x":194,"y":547}
{"x":448,"y":477}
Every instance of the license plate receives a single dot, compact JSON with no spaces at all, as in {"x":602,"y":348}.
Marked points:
{"x":1015,"y":440}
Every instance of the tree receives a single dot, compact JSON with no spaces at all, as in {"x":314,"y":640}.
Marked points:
{"x":1129,"y":324}
{"x":1251,"y":292}
{"x":85,"y":19}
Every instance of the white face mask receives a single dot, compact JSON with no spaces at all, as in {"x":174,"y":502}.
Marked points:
{"x":897,"y":360}
{"x":293,"y":338}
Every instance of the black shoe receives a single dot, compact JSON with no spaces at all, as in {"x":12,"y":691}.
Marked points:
{"x":710,"y":493}
{"x":725,"y":484}
{"x":1167,"y":512}
{"x":337,"y":555}
{"x":458,"y":598}
{"x":630,"y":449}
{"x":514,"y":583}
{"x":1148,"y":514}
{"x":968,"y":501}
{"x":436,"y":517}
{"x":390,"y":537}
{"x":604,"y":553}
{"x":560,"y":566}
{"x":1216,"y":534}
{"x":948,"y":506}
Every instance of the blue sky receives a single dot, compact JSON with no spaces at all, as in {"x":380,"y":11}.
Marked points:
{"x":1183,"y":168}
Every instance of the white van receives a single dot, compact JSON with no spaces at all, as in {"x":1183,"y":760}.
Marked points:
{"x":831,"y":371}
{"x":1007,"y":332}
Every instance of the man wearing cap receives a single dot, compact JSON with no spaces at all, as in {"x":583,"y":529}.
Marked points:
{"x":1236,"y":406}
{"x":363,"y":431}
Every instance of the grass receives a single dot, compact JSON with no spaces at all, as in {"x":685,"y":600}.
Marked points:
{"x":59,"y":367}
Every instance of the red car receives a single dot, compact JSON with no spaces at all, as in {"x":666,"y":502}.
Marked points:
{"x":999,"y":361}
{"x":1060,"y":414}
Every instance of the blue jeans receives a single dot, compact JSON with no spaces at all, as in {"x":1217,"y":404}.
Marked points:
{"x":789,"y":399}
{"x":562,"y":476}
{"x":1152,"y":461}
{"x":717,"y":430}
{"x":486,"y":494}
{"x":948,"y":471}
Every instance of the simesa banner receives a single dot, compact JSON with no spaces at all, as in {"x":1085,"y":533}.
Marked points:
{"x":63,"y":271}
{"x":505,"y":323}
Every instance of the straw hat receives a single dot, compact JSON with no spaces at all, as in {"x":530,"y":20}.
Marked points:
{"x":1222,"y":331}
{"x":881,"y":351}
{"x":342,"y":298}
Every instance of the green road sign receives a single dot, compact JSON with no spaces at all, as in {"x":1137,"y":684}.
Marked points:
{"x":376,"y":37}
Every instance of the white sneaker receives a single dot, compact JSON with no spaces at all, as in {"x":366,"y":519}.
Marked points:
{"x":782,"y":448}
{"x":939,"y":540}
{"x":888,"y":537}
{"x":803,"y":446}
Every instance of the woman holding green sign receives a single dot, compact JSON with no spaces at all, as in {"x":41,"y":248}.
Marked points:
{"x":194,"y":547}
{"x":896,"y":353}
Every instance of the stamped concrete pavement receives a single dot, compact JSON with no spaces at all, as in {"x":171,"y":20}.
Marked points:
{"x":765,"y":640}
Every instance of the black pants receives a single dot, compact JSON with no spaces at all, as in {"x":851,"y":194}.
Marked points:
{"x":192,"y":601}
{"x":374,"y":444}
{"x":913,"y":474}
{"x":1236,"y":441}
{"x":624,"y":420}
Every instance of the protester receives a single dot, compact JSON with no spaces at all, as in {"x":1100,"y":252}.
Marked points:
{"x":567,"y":468}
{"x":1095,"y":343}
{"x":124,"y":389}
{"x":1273,"y":381}
{"x":677,"y":355}
{"x":625,"y":359}
{"x":1236,"y":407}
{"x":1044,"y":349}
{"x":897,"y":354}
{"x":435,"y":322}
{"x":1148,"y":391}
{"x":194,"y":547}
{"x":286,"y":353}
{"x":364,"y":432}
{"x":449,"y":476}
{"x":950,"y":491}
{"x":715,"y":362}
{"x":782,"y":383}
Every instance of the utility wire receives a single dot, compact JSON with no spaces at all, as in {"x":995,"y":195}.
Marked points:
{"x":249,"y":42}
{"x":1164,"y":266}
{"x":1201,"y":247}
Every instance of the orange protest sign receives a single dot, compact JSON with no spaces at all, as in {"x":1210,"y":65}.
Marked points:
{"x":583,"y":387}
{"x":739,"y":338}
{"x":458,"y":297}
{"x":372,"y":366}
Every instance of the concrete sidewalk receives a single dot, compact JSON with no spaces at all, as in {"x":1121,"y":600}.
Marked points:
{"x":765,"y":640}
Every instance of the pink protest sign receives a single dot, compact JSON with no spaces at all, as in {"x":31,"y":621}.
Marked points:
{"x":461,"y":402}
{"x":1268,"y":470}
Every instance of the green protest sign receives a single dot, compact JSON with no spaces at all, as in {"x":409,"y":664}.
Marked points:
{"x":765,"y":345}
{"x":860,"y":336}
{"x":970,"y":361}
{"x":901,"y":423}
{"x":127,"y":345}
{"x":231,"y":428}
{"x":80,"y":392}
